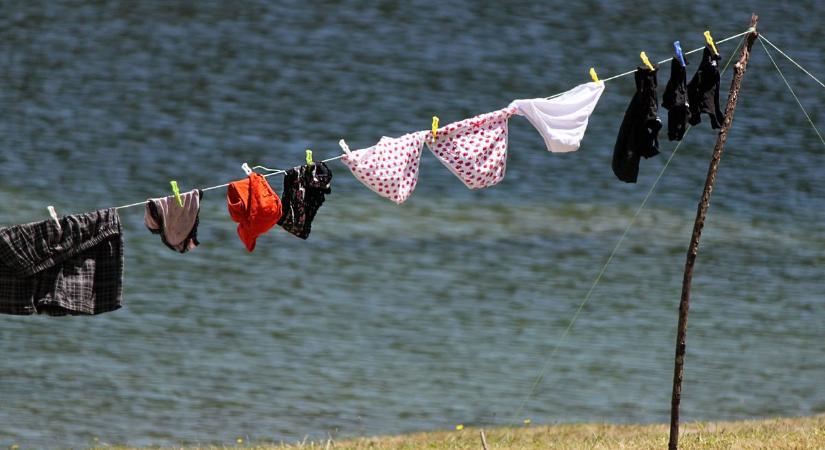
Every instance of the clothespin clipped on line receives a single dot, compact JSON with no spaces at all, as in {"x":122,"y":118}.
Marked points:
{"x":246,"y":169}
{"x":710,"y":42}
{"x":176,"y":191}
{"x":344,"y":146}
{"x":646,"y":61}
{"x":593,"y":75}
{"x":435,"y":127}
{"x":53,"y":214}
{"x":678,"y":47}
{"x":309,"y":157}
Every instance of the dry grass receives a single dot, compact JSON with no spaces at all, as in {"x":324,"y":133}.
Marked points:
{"x":785,"y":433}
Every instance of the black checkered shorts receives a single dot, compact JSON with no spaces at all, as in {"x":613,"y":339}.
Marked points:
{"x":74,"y":269}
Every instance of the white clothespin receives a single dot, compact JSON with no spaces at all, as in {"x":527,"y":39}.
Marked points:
{"x":53,"y":214}
{"x":344,"y":146}
{"x":246,"y":169}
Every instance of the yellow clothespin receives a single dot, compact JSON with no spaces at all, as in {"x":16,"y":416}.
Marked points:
{"x":177,"y":192}
{"x":710,"y":42}
{"x":309,"y":157}
{"x":435,"y":127}
{"x":646,"y":61}
{"x":593,"y":75}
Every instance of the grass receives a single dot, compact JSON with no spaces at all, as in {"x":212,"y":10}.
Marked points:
{"x":782,"y":433}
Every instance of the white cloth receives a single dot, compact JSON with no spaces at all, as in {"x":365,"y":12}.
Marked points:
{"x":390,"y":167}
{"x":475,"y":149}
{"x":562,"y":121}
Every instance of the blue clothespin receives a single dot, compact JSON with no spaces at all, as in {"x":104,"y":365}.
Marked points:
{"x":678,"y":47}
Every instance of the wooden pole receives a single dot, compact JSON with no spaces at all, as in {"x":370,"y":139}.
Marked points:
{"x":701,"y":213}
{"x":484,"y":441}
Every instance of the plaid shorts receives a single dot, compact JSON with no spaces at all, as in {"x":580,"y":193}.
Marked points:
{"x":74,"y":269}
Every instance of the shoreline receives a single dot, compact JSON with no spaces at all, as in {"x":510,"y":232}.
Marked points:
{"x":807,"y":432}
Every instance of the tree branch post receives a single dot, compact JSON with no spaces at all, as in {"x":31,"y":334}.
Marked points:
{"x":698,"y":224}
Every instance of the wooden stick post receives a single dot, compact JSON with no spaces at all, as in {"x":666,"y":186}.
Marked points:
{"x":701,"y":213}
{"x":484,"y":440}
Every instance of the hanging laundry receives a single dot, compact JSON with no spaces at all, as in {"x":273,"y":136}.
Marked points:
{"x":703,"y":91}
{"x":639,"y":132}
{"x":254,"y":206}
{"x":304,"y":193}
{"x":390,"y":167}
{"x":72,"y":268}
{"x":177,"y":226}
{"x":562,"y":120}
{"x":675,"y":100}
{"x":475,"y":149}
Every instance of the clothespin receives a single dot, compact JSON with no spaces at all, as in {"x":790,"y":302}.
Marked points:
{"x":344,"y":146}
{"x":646,"y":61}
{"x":246,"y":169}
{"x":710,"y":42}
{"x":309,"y":157}
{"x":593,"y":75}
{"x":53,"y":214}
{"x":176,"y":192}
{"x":435,"y":127}
{"x":678,"y":47}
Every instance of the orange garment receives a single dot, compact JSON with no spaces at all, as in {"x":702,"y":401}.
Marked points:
{"x":255,"y":207}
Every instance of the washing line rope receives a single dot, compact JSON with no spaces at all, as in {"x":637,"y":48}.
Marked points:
{"x":630,"y":72}
{"x":619,"y":243}
{"x":278,"y":172}
{"x":762,"y":37}
{"x":807,"y":116}
{"x":272,"y":172}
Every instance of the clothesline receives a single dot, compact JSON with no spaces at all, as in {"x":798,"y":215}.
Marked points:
{"x":762,"y":37}
{"x":598,"y":278}
{"x":686,"y":53}
{"x":279,"y":172}
{"x":275,"y":172}
{"x":793,"y":93}
{"x":630,"y":72}
{"x":607,"y":262}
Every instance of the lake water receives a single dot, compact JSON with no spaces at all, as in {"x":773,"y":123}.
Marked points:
{"x":422,"y":316}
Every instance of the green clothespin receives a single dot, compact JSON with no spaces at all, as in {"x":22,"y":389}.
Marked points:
{"x":309,"y":157}
{"x":177,"y":192}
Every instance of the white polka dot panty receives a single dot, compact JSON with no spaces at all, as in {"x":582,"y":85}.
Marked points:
{"x":390,"y":167}
{"x":475,"y":149}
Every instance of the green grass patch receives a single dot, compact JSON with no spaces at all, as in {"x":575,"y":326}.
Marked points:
{"x":780,"y":433}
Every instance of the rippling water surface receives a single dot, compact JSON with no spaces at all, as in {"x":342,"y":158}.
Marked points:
{"x":421,"y":316}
